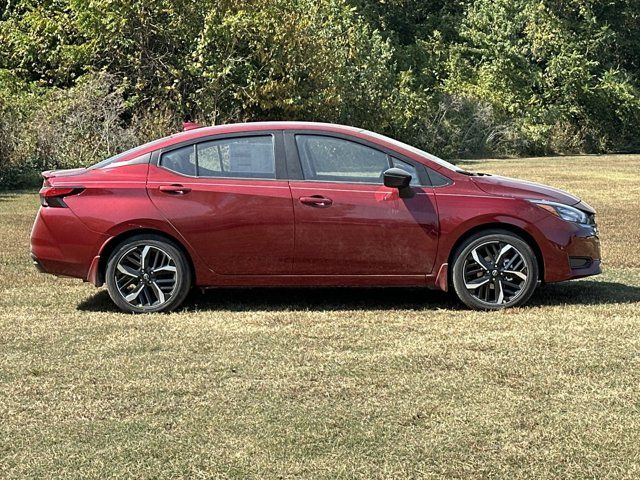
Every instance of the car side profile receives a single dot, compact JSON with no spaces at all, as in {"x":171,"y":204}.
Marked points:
{"x":304,"y":204}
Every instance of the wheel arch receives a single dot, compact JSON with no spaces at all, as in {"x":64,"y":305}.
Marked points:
{"x":521,"y":232}
{"x":111,"y":244}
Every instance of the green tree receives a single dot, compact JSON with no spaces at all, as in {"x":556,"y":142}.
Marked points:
{"x":292,"y":59}
{"x":458,"y":77}
{"x":547,"y":68}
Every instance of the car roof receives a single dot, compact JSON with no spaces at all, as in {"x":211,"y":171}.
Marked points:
{"x":201,"y":132}
{"x":255,"y":126}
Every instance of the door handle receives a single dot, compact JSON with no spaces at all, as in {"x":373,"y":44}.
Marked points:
{"x":174,"y":189}
{"x":317,"y":201}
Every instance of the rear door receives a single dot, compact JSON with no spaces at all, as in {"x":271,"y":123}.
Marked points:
{"x":229,"y":198}
{"x":346,"y":221}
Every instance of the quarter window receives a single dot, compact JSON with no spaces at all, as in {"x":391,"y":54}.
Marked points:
{"x":181,"y":160}
{"x":438,"y":180}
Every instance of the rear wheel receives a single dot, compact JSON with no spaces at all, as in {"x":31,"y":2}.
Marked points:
{"x":147,"y":273}
{"x":495,"y":269}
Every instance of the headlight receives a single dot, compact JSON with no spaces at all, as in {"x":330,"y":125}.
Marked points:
{"x":565,"y":212}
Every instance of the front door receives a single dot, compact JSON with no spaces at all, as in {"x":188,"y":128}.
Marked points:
{"x":348,"y":223}
{"x":227,"y":197}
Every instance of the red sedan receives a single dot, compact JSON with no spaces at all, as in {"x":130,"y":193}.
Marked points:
{"x":291,"y":204}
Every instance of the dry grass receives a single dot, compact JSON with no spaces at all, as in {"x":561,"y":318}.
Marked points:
{"x":326,"y":383}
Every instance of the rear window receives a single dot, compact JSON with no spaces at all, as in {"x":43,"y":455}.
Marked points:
{"x":111,"y":160}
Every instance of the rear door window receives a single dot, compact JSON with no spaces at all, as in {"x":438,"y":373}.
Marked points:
{"x":238,"y":157}
{"x":242,"y":157}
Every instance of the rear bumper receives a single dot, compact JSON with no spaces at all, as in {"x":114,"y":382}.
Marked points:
{"x":37,"y":264}
{"x":62,"y":245}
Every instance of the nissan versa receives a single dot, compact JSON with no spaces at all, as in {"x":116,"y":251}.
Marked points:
{"x":304,"y":204}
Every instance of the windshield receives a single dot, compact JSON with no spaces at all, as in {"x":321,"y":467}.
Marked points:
{"x":415,"y":150}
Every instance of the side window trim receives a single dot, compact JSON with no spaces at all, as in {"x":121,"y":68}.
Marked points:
{"x":294,"y":163}
{"x":278,"y":145}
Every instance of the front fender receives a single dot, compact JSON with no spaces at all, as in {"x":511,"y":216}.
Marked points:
{"x":461,"y":215}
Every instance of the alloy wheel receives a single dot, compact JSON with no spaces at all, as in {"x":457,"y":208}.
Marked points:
{"x":146,"y":276}
{"x":495,"y":273}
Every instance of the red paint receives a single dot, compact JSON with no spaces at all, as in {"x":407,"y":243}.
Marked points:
{"x":295,"y":232}
{"x":368,"y":230}
{"x":239,"y":227}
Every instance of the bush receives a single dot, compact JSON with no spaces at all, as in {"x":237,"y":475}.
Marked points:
{"x":17,"y":102}
{"x":79,"y":126}
{"x":66,"y":128}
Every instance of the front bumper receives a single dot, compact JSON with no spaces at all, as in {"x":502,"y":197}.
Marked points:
{"x":594,"y":268}
{"x":571,"y":251}
{"x":584,"y":256}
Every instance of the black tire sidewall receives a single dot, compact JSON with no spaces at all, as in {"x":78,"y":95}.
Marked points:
{"x":487,"y":236}
{"x":182,"y":268}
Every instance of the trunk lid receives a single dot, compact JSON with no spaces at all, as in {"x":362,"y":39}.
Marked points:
{"x":48,"y":175}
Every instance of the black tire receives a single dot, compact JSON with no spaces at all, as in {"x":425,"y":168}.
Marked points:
{"x":163,"y":283}
{"x":482,"y":283}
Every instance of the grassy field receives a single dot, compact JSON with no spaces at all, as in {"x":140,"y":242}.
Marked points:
{"x":330,"y":383}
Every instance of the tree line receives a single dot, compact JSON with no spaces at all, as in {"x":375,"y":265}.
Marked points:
{"x":81,"y":80}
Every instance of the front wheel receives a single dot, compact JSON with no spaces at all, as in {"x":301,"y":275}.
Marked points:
{"x":147,"y":273}
{"x":493,"y":270}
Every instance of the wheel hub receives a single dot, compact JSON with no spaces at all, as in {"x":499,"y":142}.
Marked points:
{"x":495,"y":272}
{"x":146,"y":276}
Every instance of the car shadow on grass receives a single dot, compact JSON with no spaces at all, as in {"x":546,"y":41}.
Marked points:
{"x":323,"y":299}
{"x":585,"y":292}
{"x":292,"y":299}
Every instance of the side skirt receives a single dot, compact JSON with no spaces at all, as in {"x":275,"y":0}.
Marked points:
{"x":321,"y":281}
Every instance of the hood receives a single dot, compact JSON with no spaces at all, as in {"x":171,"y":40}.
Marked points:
{"x":511,"y":187}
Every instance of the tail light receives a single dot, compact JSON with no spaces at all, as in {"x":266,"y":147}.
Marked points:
{"x":54,"y":196}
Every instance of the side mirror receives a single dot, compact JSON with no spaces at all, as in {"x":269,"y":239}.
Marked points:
{"x":400,"y":179}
